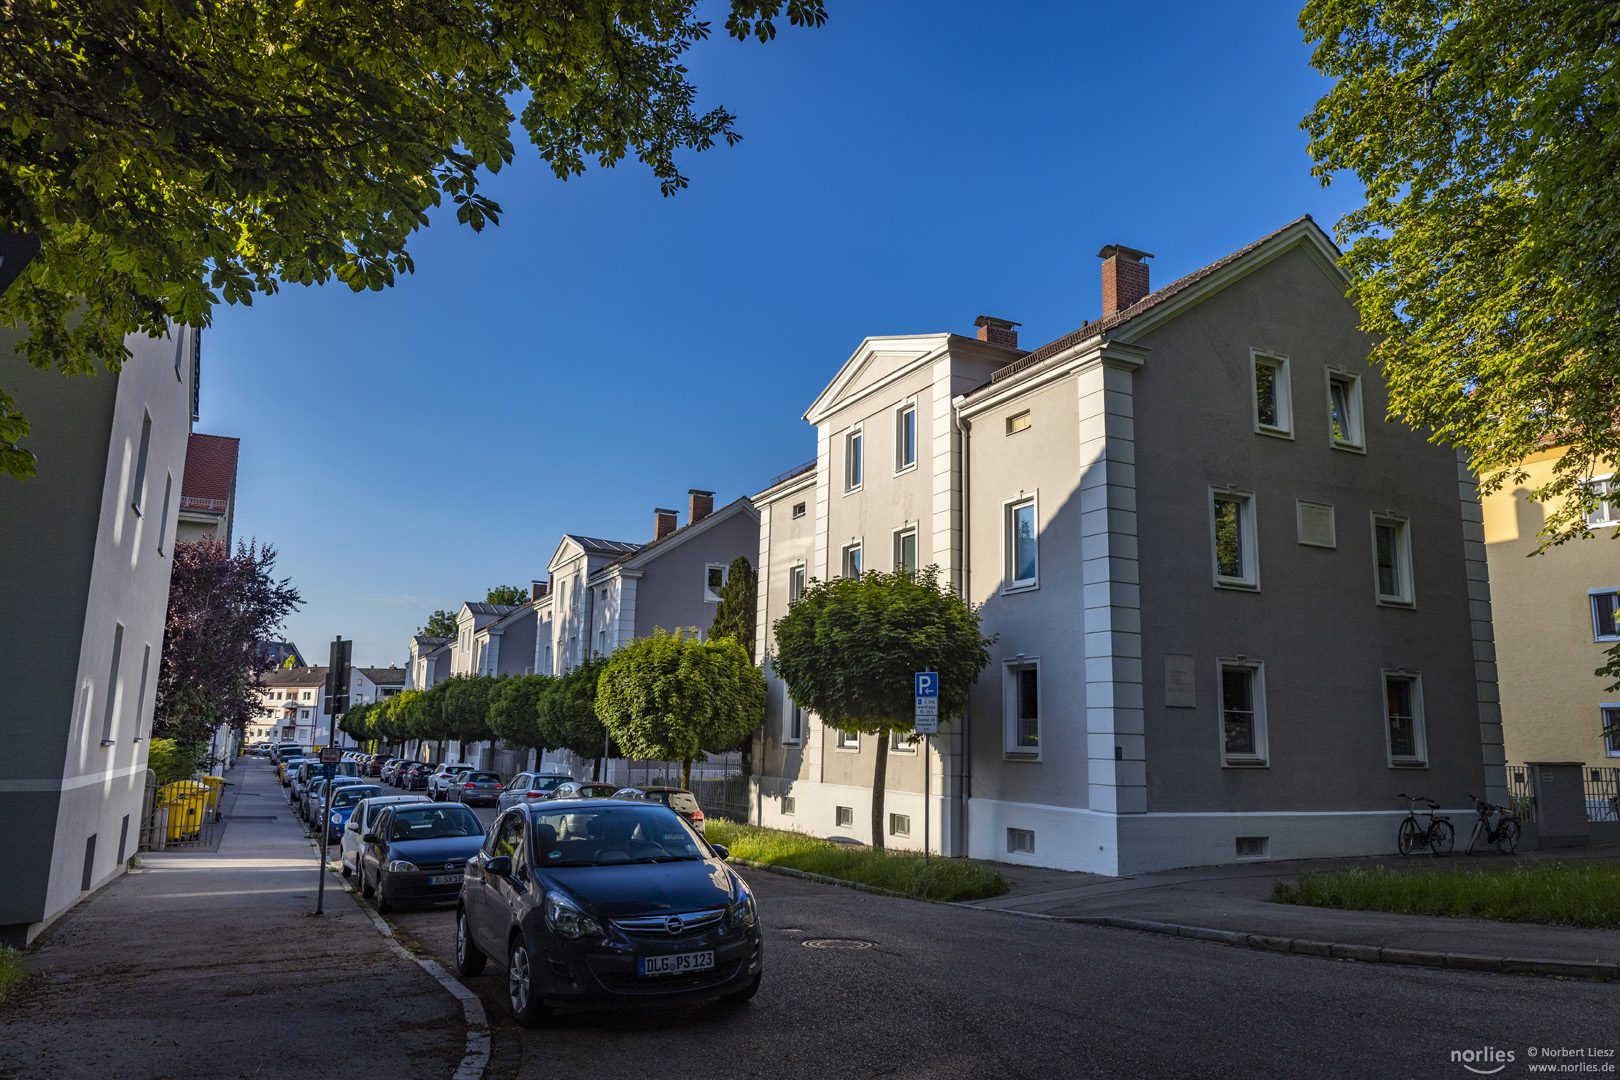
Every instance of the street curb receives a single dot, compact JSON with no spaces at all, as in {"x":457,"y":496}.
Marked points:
{"x":806,"y":875}
{"x":1372,"y":954}
{"x":476,"y":1059}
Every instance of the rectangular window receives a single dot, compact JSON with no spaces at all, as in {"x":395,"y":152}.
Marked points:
{"x":1022,"y":562}
{"x":1273,"y":407}
{"x":905,"y":552}
{"x":601,"y":643}
{"x":1018,"y":423}
{"x":905,"y":438}
{"x":795,"y":720}
{"x":903,"y":742}
{"x":163,"y":522}
{"x":1232,"y":517}
{"x":848,"y":740}
{"x":140,"y":698}
{"x":790,"y":805}
{"x":1607,"y":510}
{"x":899,"y":824}
{"x":798,"y":509}
{"x":844,"y":817}
{"x":1253,"y":847}
{"x":1344,"y":410}
{"x":852,"y":459}
{"x":1403,"y":719}
{"x":714,"y":579}
{"x":1243,"y":713}
{"x":573,"y":649}
{"x":852,"y":561}
{"x":1611,"y":729}
{"x":1021,"y":841}
{"x":114,"y":691}
{"x":795,"y":584}
{"x":138,"y":495}
{"x":1605,"y":614}
{"x":1021,"y":689}
{"x":1392,"y":560}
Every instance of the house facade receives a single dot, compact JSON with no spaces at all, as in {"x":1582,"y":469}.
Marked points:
{"x":92,"y":536}
{"x":1236,"y":612}
{"x":208,"y":490}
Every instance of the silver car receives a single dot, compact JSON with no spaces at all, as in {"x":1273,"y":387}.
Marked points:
{"x":441,"y":778}
{"x":360,"y":823}
{"x":530,"y":787}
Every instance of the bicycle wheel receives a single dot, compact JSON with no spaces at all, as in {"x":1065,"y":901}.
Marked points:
{"x":1507,"y":836}
{"x":1442,"y":838}
{"x":1407,"y":837}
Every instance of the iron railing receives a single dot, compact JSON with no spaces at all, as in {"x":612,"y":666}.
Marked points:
{"x":197,"y":502}
{"x":1519,"y":797}
{"x":1602,"y":794}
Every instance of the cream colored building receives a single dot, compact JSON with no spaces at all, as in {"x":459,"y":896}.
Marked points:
{"x":1554,"y":625}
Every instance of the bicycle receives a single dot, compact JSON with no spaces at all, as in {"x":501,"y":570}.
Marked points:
{"x":1504,"y":834}
{"x":1438,"y":835}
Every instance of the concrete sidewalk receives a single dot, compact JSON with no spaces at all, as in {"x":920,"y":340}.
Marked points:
{"x":1236,"y":899}
{"x":212,"y":965}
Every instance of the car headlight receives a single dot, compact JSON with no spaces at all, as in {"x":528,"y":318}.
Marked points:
{"x":400,"y":866}
{"x":743,"y":914}
{"x":565,"y":918}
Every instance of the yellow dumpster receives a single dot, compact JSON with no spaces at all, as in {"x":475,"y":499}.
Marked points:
{"x":216,"y":792}
{"x":187,"y":802}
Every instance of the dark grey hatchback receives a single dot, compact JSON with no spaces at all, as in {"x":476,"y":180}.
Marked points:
{"x":602,"y":902}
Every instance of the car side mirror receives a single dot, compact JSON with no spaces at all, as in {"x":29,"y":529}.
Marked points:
{"x":721,"y":850}
{"x":371,"y":838}
{"x":354,"y":826}
{"x":500,"y":864}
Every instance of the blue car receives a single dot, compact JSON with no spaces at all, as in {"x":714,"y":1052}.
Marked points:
{"x":343,"y":800}
{"x":417,"y":853}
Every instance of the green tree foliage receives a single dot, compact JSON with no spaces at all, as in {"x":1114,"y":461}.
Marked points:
{"x":441,"y":624}
{"x":738,"y":611}
{"x":424,"y":716}
{"x":170,"y":156}
{"x":465,"y":707}
{"x":172,"y":760}
{"x":356,"y":722}
{"x":511,"y":595}
{"x":849,"y":648}
{"x":671,"y":697}
{"x":389,"y":721}
{"x":1487,"y":136}
{"x":567,"y":713}
{"x":514,"y":712}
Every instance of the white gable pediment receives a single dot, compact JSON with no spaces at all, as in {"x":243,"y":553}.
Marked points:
{"x":878,"y":361}
{"x":567,"y":550}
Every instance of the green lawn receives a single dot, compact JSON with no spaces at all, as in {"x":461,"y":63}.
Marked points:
{"x":11,"y":970}
{"x":1561,"y":894}
{"x":901,"y":872}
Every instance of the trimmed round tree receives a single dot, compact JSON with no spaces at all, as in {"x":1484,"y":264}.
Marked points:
{"x":848,"y":650}
{"x":513,"y":715}
{"x":566,"y":712}
{"x":466,"y":708}
{"x":671,"y":697}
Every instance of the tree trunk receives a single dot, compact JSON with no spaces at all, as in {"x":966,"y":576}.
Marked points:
{"x":596,"y":770}
{"x":880,"y":775}
{"x":686,"y":774}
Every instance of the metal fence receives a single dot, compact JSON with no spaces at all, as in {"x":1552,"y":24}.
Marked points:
{"x":184,"y":814}
{"x":1602,"y":791}
{"x":1519,"y":798}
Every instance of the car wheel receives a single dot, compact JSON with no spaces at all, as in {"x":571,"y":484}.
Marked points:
{"x":384,"y":905}
{"x":470,"y":959}
{"x":343,"y":868}
{"x":525,"y":1004}
{"x":744,"y":994}
{"x":365,"y":885}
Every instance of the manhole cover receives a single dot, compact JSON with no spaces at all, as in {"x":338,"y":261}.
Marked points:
{"x":838,"y":943}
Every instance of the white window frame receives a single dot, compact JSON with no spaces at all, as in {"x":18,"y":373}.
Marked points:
{"x":710,"y":594}
{"x":1284,"y":399}
{"x":1010,"y":670}
{"x":1611,"y":747}
{"x":854,"y":459}
{"x":1605,"y":486}
{"x":798,"y":581}
{"x":848,"y":742}
{"x":901,"y":465}
{"x":1009,"y":549}
{"x":839,"y":815}
{"x":899,"y":536}
{"x":1597,"y":631}
{"x":797,"y":511}
{"x":793,"y":714}
{"x":1403,"y":562}
{"x":844,"y":567}
{"x":1248,"y":542}
{"x":1261,"y":758}
{"x":1353,"y":409}
{"x":903,"y":742}
{"x":1419,"y":759}
{"x":894,"y":824}
{"x":1014,"y":427}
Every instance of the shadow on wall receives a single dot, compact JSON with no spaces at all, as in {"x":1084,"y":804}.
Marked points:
{"x":1528,"y":515}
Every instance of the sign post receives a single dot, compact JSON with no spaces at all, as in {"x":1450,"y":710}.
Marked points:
{"x":926,"y":721}
{"x":330,"y":756}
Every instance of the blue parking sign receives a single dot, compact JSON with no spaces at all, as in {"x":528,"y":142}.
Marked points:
{"x":928,"y":684}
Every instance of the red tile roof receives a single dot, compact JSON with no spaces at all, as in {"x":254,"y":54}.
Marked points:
{"x":210,"y":466}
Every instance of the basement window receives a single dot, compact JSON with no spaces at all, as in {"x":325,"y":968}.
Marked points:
{"x":1021,"y":841}
{"x":1253,"y":847}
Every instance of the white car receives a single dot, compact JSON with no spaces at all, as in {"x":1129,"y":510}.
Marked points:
{"x":360,"y":823}
{"x":441,"y":778}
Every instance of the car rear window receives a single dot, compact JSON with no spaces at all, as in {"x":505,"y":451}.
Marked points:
{"x":434,"y":822}
{"x":353,"y":793}
{"x":684,"y":801}
{"x":548,"y":783}
{"x":484,"y":778}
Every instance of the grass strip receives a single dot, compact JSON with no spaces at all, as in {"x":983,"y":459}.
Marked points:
{"x":902,"y":871}
{"x":11,"y":970}
{"x":1558,"y":894}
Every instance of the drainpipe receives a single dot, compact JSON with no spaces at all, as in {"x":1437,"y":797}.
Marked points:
{"x":964,"y":431}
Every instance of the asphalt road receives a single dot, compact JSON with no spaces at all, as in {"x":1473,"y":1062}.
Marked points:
{"x":952,"y":992}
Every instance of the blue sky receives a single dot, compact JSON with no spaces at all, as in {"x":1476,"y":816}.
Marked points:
{"x":905,"y":168}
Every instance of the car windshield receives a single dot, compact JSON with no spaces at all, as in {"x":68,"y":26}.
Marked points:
{"x":434,"y":823}
{"x":600,"y":836}
{"x":348,"y":796}
{"x":483,"y":778}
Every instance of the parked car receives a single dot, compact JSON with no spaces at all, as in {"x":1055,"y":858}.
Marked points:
{"x":395,"y":769}
{"x":310,"y":806}
{"x":475,"y":787}
{"x":527,"y":787}
{"x":415,"y":854}
{"x":337,"y":809}
{"x":584,"y":789}
{"x":604,"y":901}
{"x":362,"y":819}
{"x":389,"y":767}
{"x":374,"y":764}
{"x":285,"y":768}
{"x":416,"y":776}
{"x":680,"y":800}
{"x":441,"y":778}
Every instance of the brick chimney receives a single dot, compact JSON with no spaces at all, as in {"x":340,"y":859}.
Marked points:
{"x":1124,"y":277}
{"x":663,"y":523}
{"x":699,"y":506}
{"x":997,"y":331}
{"x":539,"y":589}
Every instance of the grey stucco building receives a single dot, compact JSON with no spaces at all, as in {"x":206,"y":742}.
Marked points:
{"x":1237,"y":610}
{"x":85,"y":549}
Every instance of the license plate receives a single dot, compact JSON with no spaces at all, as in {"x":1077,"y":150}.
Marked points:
{"x":444,"y":879}
{"x":677,"y":964}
